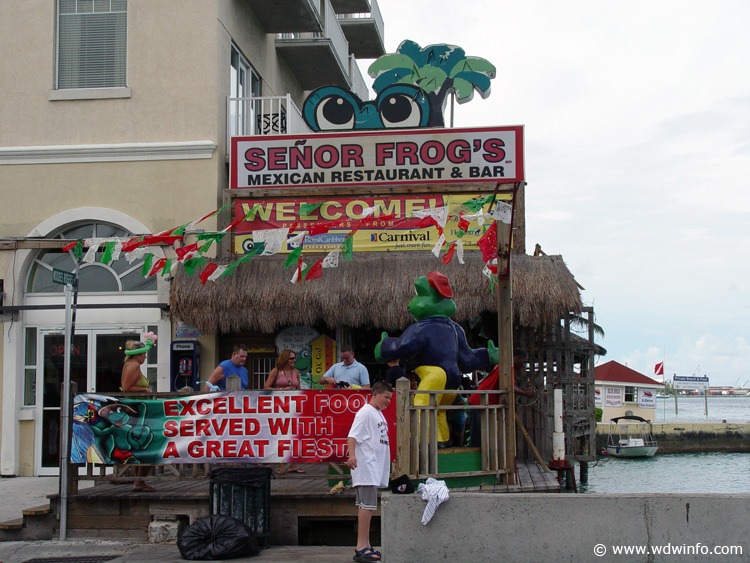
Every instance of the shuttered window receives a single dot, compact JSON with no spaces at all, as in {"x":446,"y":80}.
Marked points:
{"x":92,"y":43}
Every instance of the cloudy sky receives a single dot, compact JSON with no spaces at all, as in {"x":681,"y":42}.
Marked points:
{"x":637,"y":121}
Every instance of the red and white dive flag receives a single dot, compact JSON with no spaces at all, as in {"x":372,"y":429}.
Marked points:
{"x":659,"y":369}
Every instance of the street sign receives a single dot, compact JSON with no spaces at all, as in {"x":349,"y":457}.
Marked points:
{"x":62,"y":277}
{"x":690,"y":382}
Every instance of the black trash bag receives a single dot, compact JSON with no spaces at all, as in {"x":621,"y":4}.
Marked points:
{"x":217,"y":537}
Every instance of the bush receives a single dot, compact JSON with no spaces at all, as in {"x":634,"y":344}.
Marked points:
{"x":598,"y":412}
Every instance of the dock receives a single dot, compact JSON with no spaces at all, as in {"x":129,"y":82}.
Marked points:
{"x":303,"y":509}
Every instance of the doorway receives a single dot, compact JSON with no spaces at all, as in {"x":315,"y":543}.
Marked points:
{"x":96,"y":361}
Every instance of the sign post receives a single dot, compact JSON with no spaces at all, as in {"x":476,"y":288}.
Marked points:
{"x":70,"y":281}
{"x":692,"y":383}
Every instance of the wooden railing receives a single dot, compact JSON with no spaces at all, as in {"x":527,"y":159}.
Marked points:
{"x":416,"y":433}
{"x":416,"y":440}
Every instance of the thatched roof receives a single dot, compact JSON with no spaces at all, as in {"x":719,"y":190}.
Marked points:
{"x":372,"y":289}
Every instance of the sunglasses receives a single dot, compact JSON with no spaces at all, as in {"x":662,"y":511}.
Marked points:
{"x":292,"y":357}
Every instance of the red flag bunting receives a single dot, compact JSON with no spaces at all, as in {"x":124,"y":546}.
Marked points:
{"x":315,"y":271}
{"x":207,"y":271}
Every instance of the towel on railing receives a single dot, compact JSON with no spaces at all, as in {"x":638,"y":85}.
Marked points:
{"x":434,"y":492}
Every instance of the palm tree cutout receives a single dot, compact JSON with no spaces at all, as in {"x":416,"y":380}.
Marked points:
{"x":437,"y":70}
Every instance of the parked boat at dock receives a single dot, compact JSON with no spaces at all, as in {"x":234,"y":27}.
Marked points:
{"x":633,"y":439}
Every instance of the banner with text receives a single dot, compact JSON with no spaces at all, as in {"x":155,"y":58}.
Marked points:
{"x":249,"y":426}
{"x":398,"y":157}
{"x":400,"y":233}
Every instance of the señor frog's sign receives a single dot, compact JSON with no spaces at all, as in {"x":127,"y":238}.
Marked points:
{"x":396,"y":157}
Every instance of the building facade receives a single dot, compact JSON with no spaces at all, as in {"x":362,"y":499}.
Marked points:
{"x":114,"y":121}
{"x":621,"y":391}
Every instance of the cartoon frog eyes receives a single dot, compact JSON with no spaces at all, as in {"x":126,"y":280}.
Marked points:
{"x":331,"y":108}
{"x":401,"y":109}
{"x":335,"y":112}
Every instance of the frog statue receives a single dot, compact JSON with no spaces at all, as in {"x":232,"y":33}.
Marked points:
{"x":436,"y":344}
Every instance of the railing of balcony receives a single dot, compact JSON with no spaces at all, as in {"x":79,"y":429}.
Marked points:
{"x":373,"y":14}
{"x":359,"y":86}
{"x":333,"y":31}
{"x":265,"y":115}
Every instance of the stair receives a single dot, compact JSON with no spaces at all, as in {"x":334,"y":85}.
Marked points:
{"x":35,"y":524}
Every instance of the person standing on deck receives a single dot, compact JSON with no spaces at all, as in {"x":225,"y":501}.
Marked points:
{"x":348,"y":371}
{"x":370,"y":464}
{"x":234,"y":366}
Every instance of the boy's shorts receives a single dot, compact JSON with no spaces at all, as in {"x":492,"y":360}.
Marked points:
{"x":367,"y":497}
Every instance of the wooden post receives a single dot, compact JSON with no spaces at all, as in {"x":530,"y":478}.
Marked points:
{"x":233,"y":382}
{"x":505,"y":339}
{"x":402,"y":428}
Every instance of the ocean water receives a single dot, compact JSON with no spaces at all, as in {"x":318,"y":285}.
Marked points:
{"x":679,"y":473}
{"x":692,"y":409}
{"x":670,"y":473}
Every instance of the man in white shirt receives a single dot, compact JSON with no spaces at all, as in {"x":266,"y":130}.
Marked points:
{"x":370,"y":464}
{"x":348,"y":370}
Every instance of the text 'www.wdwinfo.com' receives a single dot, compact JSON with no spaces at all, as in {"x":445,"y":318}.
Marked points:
{"x":669,"y":549}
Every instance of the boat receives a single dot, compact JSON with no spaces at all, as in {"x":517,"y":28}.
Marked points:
{"x":633,"y":439}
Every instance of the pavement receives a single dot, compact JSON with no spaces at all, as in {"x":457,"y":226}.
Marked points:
{"x":78,"y":550}
{"x":17,"y":493}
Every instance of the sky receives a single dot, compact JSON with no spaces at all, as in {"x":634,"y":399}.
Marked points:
{"x":637,"y":158}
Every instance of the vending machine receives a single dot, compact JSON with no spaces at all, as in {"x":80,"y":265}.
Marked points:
{"x":185,"y":365}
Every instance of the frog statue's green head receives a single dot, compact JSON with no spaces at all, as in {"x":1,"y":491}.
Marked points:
{"x":433,"y":298}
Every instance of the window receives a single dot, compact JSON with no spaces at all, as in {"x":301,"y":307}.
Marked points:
{"x":261,"y":368}
{"x":244,"y":83}
{"x":29,"y":378}
{"x":117,"y":276}
{"x":631,"y":394}
{"x":91,"y":43}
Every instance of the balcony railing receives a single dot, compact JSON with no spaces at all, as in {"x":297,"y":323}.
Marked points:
{"x":364,"y":31}
{"x":269,"y":115}
{"x":318,"y":58}
{"x":359,"y":86}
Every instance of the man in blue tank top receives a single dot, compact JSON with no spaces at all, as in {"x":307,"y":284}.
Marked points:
{"x":233,"y":366}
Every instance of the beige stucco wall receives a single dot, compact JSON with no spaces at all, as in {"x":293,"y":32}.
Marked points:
{"x":178,"y":80}
{"x":172,"y":74}
{"x":160,"y":194}
{"x":26,"y":461}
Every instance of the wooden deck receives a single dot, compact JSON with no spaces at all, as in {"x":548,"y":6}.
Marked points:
{"x":301,"y":504}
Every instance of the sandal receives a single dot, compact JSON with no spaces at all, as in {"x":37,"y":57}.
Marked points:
{"x":296,"y":470}
{"x":366,"y":555}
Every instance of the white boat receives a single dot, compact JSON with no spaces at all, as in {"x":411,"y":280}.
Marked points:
{"x":632,"y":439}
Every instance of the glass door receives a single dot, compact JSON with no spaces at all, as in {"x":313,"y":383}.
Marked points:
{"x":53,"y":350}
{"x":95,"y":366}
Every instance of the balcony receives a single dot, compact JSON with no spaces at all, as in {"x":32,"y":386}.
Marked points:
{"x":318,"y":58}
{"x":271,"y":115}
{"x":363,"y":30}
{"x":359,"y":86}
{"x":287,"y":16}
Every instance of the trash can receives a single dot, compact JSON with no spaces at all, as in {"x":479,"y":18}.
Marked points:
{"x":244,"y":493}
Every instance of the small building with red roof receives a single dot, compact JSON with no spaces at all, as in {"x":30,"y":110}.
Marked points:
{"x":620,"y":390}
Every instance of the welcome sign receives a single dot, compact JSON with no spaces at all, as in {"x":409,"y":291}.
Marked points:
{"x":249,"y":426}
{"x":394,"y":157}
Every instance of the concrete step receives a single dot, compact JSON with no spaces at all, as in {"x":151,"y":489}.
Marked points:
{"x":15,"y":524}
{"x":37,"y":510}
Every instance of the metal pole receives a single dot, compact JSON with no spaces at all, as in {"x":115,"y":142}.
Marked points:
{"x":70,"y":327}
{"x":64,"y":418}
{"x":705,"y":396}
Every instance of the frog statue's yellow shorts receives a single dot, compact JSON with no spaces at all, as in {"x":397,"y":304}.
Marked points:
{"x":433,"y":378}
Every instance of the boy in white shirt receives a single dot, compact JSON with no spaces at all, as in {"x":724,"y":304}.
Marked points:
{"x":370,"y":464}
